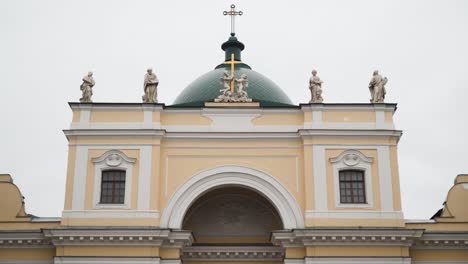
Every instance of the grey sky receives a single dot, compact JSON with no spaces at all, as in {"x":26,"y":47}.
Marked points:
{"x":46,"y":47}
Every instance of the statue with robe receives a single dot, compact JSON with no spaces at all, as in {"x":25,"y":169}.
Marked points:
{"x":226,"y":93}
{"x":377,"y":88}
{"x":87,"y":88}
{"x":315,"y":87}
{"x":242,"y":83}
{"x":150,"y":87}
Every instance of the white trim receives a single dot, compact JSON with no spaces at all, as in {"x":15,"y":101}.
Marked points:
{"x":105,"y":260}
{"x":45,"y":219}
{"x":79,"y":178}
{"x":236,"y":125}
{"x":171,"y":261}
{"x":204,"y":181}
{"x":294,"y":261}
{"x":354,"y":260}
{"x":102,"y":213}
{"x":320,"y":178}
{"x":85,"y":116}
{"x":380,"y":118}
{"x":440,"y":262}
{"x":147,"y":117}
{"x":144,"y":178}
{"x":353,"y":159}
{"x":115,"y":125}
{"x":385,"y":178}
{"x":343,"y":214}
{"x":419,"y":221}
{"x":107,"y":162}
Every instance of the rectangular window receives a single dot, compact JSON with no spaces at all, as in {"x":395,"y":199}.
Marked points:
{"x":113,"y":187}
{"x":352,"y":188}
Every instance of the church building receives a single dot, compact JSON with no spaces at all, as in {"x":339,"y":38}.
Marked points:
{"x":232,"y":172}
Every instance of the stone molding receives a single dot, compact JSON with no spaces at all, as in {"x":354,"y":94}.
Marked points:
{"x":233,"y":253}
{"x":346,"y":236}
{"x":89,"y":236}
{"x":24,"y":239}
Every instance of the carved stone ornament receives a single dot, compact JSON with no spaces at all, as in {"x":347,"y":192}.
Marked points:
{"x":351,"y":158}
{"x":113,"y":158}
{"x":87,"y":88}
{"x":315,"y":87}
{"x":150,"y":87}
{"x":231,"y":95}
{"x":377,"y":87}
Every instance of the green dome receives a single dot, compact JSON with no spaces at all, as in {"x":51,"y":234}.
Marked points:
{"x":207,"y":87}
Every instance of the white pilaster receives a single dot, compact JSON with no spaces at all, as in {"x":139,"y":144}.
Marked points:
{"x":385,"y":177}
{"x":144,"y":178}
{"x":79,"y":178}
{"x":320,"y":178}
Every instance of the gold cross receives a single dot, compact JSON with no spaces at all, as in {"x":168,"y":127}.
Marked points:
{"x":232,"y":62}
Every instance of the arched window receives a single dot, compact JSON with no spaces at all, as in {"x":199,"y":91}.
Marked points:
{"x":113,"y":187}
{"x":352,"y":187}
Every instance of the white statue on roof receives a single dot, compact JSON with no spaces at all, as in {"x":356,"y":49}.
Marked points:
{"x":87,"y":88}
{"x":150,"y":87}
{"x":315,"y":86}
{"x":377,"y":88}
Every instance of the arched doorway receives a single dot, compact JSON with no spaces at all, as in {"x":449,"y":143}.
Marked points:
{"x":204,"y":181}
{"x":232,"y":215}
{"x":231,"y":211}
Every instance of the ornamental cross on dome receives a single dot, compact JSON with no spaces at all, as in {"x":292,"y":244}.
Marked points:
{"x":233,"y":13}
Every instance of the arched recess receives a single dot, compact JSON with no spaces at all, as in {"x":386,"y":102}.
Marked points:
{"x":207,"y":180}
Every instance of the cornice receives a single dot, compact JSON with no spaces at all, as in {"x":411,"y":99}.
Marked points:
{"x":391,"y":107}
{"x":344,"y":236}
{"x":350,"y":132}
{"x":24,"y":239}
{"x":443,"y":240}
{"x":119,"y":236}
{"x":233,"y":253}
{"x":158,"y":133}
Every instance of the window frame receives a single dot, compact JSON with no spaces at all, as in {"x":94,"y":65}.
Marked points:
{"x":113,"y":160}
{"x":113,"y":181}
{"x":351,"y":182}
{"x":353,"y":160}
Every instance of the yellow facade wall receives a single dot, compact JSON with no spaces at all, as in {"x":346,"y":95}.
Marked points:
{"x":348,"y":116}
{"x":279,"y":119}
{"x":76,"y":116}
{"x":108,"y":251}
{"x":283,"y":164}
{"x":439,"y":255}
{"x":184,"y":119}
{"x":99,"y":116}
{"x":357,"y":251}
{"x":340,"y":222}
{"x":27,"y":254}
{"x":70,"y":175}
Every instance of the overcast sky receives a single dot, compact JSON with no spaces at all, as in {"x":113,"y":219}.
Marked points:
{"x":46,"y":47}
